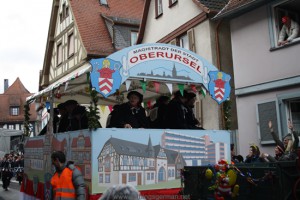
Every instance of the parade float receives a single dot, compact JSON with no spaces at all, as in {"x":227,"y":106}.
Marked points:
{"x":150,"y":159}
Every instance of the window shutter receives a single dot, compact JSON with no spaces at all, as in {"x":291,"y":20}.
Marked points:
{"x":267,"y":111}
{"x":173,"y":42}
{"x":191,"y":37}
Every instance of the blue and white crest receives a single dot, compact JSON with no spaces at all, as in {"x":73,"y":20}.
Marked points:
{"x":219,"y":87}
{"x":105,"y":76}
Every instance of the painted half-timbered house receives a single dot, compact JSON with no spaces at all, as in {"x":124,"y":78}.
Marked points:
{"x":125,"y":162}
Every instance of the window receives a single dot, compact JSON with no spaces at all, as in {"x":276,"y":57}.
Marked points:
{"x":187,"y":40}
{"x":71,"y":44}
{"x":289,"y":8}
{"x":14,"y":111}
{"x":100,"y":178}
{"x":67,"y":12}
{"x":61,"y":17}
{"x":289,"y":106}
{"x":172,"y":2}
{"x":64,"y":13}
{"x":59,"y":54}
{"x":133,"y":37}
{"x":107,"y":178}
{"x":158,"y":8}
{"x":11,"y":126}
{"x":184,"y":42}
{"x":132,"y":177}
{"x":294,"y":113}
{"x":267,"y":111}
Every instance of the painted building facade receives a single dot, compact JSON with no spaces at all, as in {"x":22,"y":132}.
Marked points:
{"x":124,"y":162}
{"x":196,"y":151}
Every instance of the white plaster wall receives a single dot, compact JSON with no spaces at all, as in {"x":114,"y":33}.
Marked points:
{"x":171,"y":19}
{"x":246,"y":111}
{"x":253,"y":62}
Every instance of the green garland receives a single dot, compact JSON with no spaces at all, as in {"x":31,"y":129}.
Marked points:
{"x":227,"y":114}
{"x":94,"y":114}
{"x":26,"y":120}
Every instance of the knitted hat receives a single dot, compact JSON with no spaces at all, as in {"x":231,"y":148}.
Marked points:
{"x":284,"y":19}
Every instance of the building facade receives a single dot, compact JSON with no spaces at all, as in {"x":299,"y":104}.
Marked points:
{"x":267,"y":76}
{"x":188,"y":24}
{"x":12,"y":103}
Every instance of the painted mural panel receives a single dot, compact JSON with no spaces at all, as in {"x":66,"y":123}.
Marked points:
{"x":152,"y":158}
{"x":146,"y":158}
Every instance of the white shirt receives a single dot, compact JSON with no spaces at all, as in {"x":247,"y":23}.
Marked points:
{"x":292,"y":33}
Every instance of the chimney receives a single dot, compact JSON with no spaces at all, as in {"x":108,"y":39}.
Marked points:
{"x":5,"y":84}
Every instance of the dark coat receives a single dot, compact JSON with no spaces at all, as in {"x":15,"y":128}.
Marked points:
{"x":176,"y":115}
{"x":124,"y":114}
{"x":160,"y":110}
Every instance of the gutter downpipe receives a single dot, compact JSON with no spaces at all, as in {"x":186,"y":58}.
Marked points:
{"x":219,"y":64}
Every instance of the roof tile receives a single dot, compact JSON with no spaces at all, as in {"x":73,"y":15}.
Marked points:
{"x":91,"y":25}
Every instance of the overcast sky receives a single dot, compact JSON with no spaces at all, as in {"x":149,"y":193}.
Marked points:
{"x":24,"y":29}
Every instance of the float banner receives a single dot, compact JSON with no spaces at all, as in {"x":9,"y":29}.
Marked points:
{"x":156,"y":62}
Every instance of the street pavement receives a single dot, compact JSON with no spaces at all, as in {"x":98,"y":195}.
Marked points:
{"x":13,"y":192}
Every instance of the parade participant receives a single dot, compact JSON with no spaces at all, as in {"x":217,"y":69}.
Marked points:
{"x":157,"y":114}
{"x":130,"y":114}
{"x":63,"y":119}
{"x":176,"y":112}
{"x":115,"y":108}
{"x":77,"y":115}
{"x":67,"y":181}
{"x":192,"y":122}
{"x":7,"y":169}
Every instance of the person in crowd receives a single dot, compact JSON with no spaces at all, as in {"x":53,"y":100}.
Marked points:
{"x":238,"y":159}
{"x":130,"y":114}
{"x":63,"y":119}
{"x":288,"y":146}
{"x":126,"y":192}
{"x":278,"y":150}
{"x":232,"y":151}
{"x":77,"y":115}
{"x":157,"y":114}
{"x":254,"y":155}
{"x":67,"y":181}
{"x":289,"y":31}
{"x":235,"y":158}
{"x":19,"y":168}
{"x":192,"y":122}
{"x":176,"y":112}
{"x":7,"y":171}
